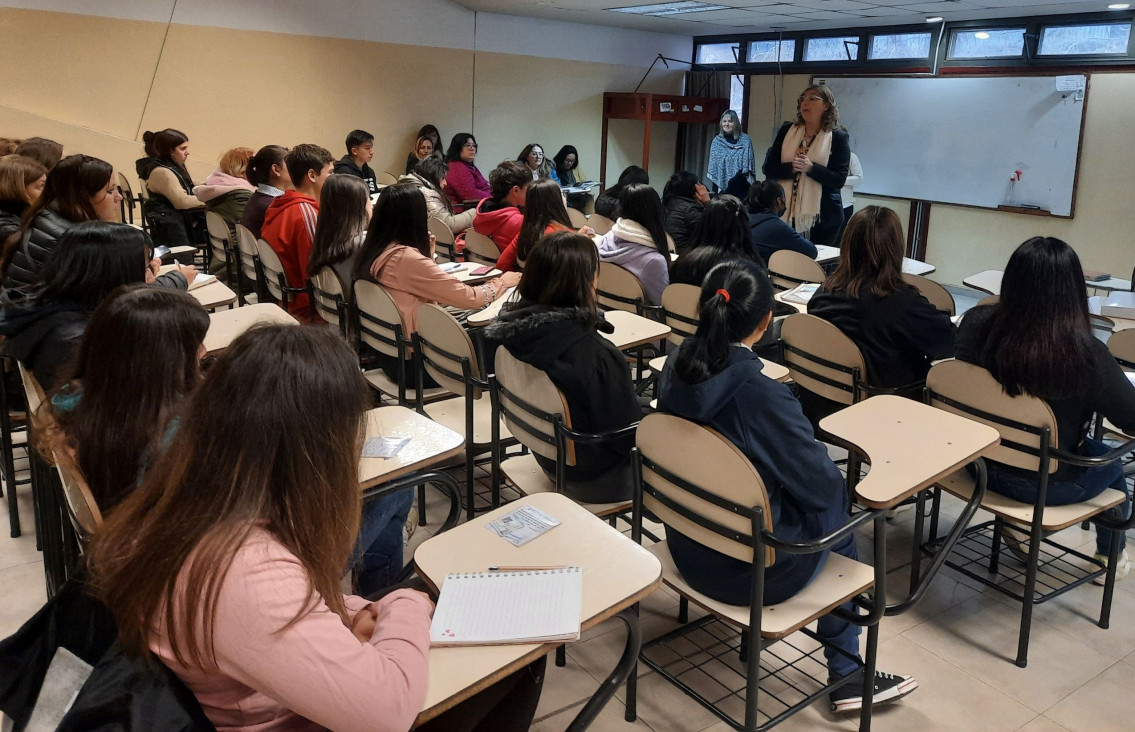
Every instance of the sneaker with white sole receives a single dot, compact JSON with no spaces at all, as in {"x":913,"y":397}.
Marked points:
{"x":888,"y":688}
{"x":1121,"y":571}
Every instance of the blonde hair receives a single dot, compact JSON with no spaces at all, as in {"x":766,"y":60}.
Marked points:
{"x":234,"y":162}
{"x":830,"y":119}
{"x":16,"y":174}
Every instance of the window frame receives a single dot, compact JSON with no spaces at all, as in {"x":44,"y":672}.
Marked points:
{"x":923,"y":31}
{"x":1045,"y":26}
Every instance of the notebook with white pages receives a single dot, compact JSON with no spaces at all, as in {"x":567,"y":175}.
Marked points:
{"x":496,"y":608}
{"x":201,"y":280}
{"x":801,"y":293}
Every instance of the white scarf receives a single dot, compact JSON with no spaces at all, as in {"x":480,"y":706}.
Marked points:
{"x":632,"y":231}
{"x":803,"y":209}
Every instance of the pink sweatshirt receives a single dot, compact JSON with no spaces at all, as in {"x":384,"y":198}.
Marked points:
{"x":316,"y":674}
{"x":465,"y":183}
{"x":413,"y":280}
{"x":218,"y":184}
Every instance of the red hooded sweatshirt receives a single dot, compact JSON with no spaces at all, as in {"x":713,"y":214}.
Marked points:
{"x":498,"y":221}
{"x":289,"y":228}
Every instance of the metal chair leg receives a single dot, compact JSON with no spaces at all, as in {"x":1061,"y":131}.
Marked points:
{"x":561,"y":656}
{"x":626,"y":666}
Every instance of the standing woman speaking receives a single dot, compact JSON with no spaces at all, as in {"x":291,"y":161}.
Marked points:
{"x":810,"y":158}
{"x":730,"y":153}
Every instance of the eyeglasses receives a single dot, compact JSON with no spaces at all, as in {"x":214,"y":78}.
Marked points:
{"x":811,"y":98}
{"x":470,"y":146}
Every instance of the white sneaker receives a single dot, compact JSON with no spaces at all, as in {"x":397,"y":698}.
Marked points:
{"x":1120,"y":572}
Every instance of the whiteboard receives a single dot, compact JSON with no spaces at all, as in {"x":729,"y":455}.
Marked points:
{"x":960,"y":140}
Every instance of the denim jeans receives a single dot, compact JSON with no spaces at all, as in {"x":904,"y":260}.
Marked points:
{"x":1082,"y":486}
{"x":377,"y":557}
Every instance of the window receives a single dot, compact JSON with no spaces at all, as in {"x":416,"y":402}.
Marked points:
{"x":1084,"y":40}
{"x":765,"y":52}
{"x":842,"y":48}
{"x":737,"y":95}
{"x":987,"y":43}
{"x":899,"y":45}
{"x":718,"y":53}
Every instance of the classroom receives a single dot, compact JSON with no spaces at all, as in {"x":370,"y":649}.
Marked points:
{"x":646,"y":290}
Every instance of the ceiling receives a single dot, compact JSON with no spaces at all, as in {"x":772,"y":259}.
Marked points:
{"x":763,"y":15}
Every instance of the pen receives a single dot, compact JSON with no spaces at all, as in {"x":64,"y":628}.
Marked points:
{"x":525,"y":569}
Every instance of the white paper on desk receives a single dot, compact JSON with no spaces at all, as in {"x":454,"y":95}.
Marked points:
{"x":801,"y":293}
{"x":522,"y":525}
{"x":383,"y":447}
{"x":201,"y":280}
{"x":488,"y":608}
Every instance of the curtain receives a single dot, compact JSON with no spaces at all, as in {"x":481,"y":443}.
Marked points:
{"x":694,"y":139}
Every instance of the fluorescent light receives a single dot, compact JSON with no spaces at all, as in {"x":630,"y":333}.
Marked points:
{"x":981,"y":36}
{"x":673,"y":8}
{"x":935,"y":19}
{"x":1119,"y":6}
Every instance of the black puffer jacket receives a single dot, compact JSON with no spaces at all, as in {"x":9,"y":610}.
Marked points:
{"x":33,"y":251}
{"x":42,"y":335}
{"x":682,"y":215}
{"x":586,"y":367}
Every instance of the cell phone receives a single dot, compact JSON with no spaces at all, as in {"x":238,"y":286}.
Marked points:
{"x":483,"y":270}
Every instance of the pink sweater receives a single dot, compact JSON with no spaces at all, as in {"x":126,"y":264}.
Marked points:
{"x":316,"y":674}
{"x":465,"y":183}
{"x":413,"y":280}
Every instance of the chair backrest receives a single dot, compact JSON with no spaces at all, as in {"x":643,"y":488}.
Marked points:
{"x":822,"y":359}
{"x":246,"y":243}
{"x":33,"y":392}
{"x":125,"y":187}
{"x":386,"y":179}
{"x":273,"y":268}
{"x":601,"y":224}
{"x":970,"y":391}
{"x":446,"y":248}
{"x":530,"y":405}
{"x":380,"y":321}
{"x":989,"y":300}
{"x":1122,"y":346}
{"x":444,"y":347}
{"x":787,"y":269}
{"x":726,"y":485}
{"x":82,"y":508}
{"x":480,"y":248}
{"x":938,"y":296}
{"x":619,"y":289}
{"x":680,"y":311}
{"x":327,"y":295}
{"x":219,"y":243}
{"x":577,"y":218}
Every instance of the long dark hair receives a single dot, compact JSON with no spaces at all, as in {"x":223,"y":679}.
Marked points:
{"x":724,"y":226}
{"x":399,"y":218}
{"x":91,"y":260}
{"x":560,"y":163}
{"x":430,"y":131}
{"x":560,"y":273}
{"x":631,"y":175}
{"x":342,"y":217}
{"x":735,"y":297}
{"x":543,"y":205}
{"x":184,"y":525}
{"x":260,"y":167}
{"x":640,"y":203}
{"x":681,"y":185}
{"x":762,"y":196}
{"x":1038,"y":339}
{"x":870,"y":256}
{"x":454,"y":151}
{"x":433,"y":169}
{"x":137,"y":360}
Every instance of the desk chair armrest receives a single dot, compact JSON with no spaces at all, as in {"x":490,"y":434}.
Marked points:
{"x":594,"y":437}
{"x":1093,"y":462}
{"x":947,"y":545}
{"x":912,"y":390}
{"x":823,"y":543}
{"x":442,"y":480}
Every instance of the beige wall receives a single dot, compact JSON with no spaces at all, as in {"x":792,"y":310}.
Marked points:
{"x":964,"y":240}
{"x":226,"y":87}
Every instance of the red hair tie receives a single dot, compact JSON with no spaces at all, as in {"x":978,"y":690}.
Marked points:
{"x":724,"y":293}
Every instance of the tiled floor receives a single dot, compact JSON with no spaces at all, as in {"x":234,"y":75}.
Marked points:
{"x":958,"y":642}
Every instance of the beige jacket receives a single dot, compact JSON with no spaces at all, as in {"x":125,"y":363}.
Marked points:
{"x":436,"y":209}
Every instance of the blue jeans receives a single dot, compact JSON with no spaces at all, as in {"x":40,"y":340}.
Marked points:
{"x":1085,"y":484}
{"x":377,"y":557}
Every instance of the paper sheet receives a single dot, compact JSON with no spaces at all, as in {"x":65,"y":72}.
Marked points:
{"x":384,"y":447}
{"x":522,"y":525}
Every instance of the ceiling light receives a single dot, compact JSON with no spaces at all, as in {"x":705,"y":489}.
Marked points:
{"x":935,"y":19}
{"x":672,"y":8}
{"x":1119,"y":6}
{"x":981,"y":36}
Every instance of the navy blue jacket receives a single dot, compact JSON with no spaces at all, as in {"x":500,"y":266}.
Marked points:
{"x":763,"y":419}
{"x":771,"y":234}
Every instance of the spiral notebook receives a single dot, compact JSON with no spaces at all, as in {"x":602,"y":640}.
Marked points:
{"x":496,"y":608}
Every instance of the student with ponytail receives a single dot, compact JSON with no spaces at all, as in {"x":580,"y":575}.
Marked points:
{"x":715,"y":380}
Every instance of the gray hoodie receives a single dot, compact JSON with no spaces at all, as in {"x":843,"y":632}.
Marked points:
{"x":629,"y":245}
